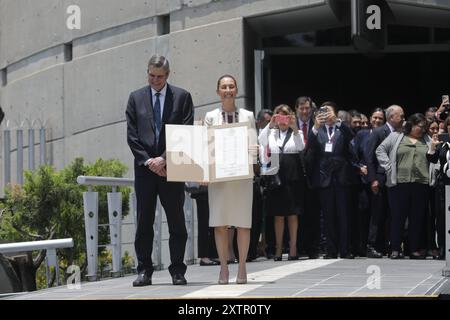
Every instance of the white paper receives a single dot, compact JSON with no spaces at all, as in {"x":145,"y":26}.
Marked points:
{"x":231,"y":152}
{"x":192,"y":142}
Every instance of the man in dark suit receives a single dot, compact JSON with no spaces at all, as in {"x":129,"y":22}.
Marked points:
{"x":376,"y":177}
{"x":2,"y":115}
{"x":331,"y":143}
{"x":148,"y":110}
{"x":308,"y":239}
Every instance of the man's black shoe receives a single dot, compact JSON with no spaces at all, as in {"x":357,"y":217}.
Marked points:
{"x":143,"y":279}
{"x":374,"y":254}
{"x":178,"y":279}
{"x":349,"y":256}
{"x":330,"y":256}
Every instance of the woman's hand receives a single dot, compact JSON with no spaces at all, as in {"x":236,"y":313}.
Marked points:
{"x":253,"y":152}
{"x":273,"y":121}
{"x":293,"y":123}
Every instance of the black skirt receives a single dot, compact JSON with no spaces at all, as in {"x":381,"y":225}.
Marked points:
{"x":286,"y":200}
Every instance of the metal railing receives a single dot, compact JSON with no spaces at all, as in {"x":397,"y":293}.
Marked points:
{"x":90,"y":204}
{"x":50,"y":246}
{"x":20,"y":127}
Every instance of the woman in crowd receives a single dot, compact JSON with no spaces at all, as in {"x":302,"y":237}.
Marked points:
{"x":432,"y":129}
{"x":440,"y":156}
{"x":282,"y":138}
{"x":404,"y":157}
{"x":230,"y":202}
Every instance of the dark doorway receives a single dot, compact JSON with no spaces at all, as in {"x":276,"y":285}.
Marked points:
{"x":355,"y":81}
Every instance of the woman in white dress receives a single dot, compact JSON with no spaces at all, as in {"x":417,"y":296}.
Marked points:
{"x":230,"y":202}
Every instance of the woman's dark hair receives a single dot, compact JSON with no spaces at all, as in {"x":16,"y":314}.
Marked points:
{"x":378,"y":110}
{"x":226,"y":76}
{"x":413,"y":120}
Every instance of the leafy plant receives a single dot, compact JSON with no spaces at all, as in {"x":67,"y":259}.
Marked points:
{"x":50,"y":206}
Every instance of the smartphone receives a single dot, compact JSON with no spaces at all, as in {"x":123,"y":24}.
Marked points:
{"x":323,"y":110}
{"x":282,"y":119}
{"x":444,"y":137}
{"x":445,"y":99}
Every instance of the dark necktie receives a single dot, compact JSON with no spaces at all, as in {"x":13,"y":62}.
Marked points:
{"x":157,"y":114}
{"x":305,"y":133}
{"x":330,"y":130}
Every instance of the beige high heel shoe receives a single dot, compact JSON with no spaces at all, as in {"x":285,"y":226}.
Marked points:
{"x":225,"y":280}
{"x":241,"y":280}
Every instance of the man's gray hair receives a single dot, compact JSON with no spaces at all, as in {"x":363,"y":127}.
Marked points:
{"x":390,"y":110}
{"x":158,"y":61}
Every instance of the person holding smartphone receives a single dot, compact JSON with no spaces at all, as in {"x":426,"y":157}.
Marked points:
{"x":333,"y":176}
{"x":283,"y":138}
{"x":444,"y":109}
{"x":404,"y":156}
{"x":438,"y":155}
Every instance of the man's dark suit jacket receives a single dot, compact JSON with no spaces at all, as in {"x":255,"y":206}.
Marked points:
{"x":375,"y":171}
{"x":306,"y":156}
{"x":178,"y":109}
{"x":333,"y":165}
{"x":2,"y":115}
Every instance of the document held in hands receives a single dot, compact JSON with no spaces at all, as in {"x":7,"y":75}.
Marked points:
{"x":208,"y":154}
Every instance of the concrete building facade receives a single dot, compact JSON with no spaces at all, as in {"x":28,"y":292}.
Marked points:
{"x":78,"y":80}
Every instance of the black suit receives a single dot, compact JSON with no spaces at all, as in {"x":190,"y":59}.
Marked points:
{"x":334,"y":176}
{"x":380,"y":213}
{"x":308,"y":240}
{"x":2,"y":115}
{"x":178,"y":109}
{"x":442,"y":180}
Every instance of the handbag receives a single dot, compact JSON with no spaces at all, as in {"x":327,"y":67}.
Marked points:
{"x":273,"y":181}
{"x":195,"y":188}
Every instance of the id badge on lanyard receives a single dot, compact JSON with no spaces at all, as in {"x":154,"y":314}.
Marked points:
{"x":329,"y":144}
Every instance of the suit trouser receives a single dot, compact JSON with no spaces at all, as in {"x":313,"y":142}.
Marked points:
{"x":440,"y":215}
{"x":171,"y":194}
{"x":408,"y":200}
{"x":380,"y":216}
{"x":206,"y":243}
{"x":335,"y":204}
{"x":431,"y":219}
{"x":308,"y":239}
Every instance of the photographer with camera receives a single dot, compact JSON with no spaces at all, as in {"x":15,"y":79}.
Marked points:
{"x":333,"y":175}
{"x":281,"y":137}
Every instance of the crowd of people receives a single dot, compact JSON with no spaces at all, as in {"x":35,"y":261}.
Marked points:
{"x":347,"y":184}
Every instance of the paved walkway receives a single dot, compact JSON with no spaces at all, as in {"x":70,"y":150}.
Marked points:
{"x":269,"y":279}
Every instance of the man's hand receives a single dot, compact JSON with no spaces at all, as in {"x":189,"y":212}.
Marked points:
{"x":375,"y":186}
{"x":158,"y":166}
{"x":320,"y":120}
